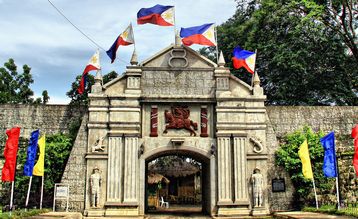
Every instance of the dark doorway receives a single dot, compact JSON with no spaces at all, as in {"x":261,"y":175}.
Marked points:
{"x":177,"y":184}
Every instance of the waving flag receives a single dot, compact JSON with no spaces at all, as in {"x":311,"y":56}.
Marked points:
{"x":39,"y":168}
{"x":329,"y":160}
{"x":93,"y":64}
{"x":10,"y":153}
{"x":124,"y":39}
{"x":31,"y":153}
{"x":203,"y":35}
{"x":244,"y":58}
{"x":159,"y":14}
{"x":355,"y":156}
{"x":304,"y":155}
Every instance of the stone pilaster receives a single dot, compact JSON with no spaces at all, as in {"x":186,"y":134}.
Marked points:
{"x":224,"y":171}
{"x":240,"y":171}
{"x":115,"y":170}
{"x":131,"y":170}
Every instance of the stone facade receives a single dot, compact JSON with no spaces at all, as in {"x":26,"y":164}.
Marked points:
{"x":127,"y":119}
{"x":176,"y":102}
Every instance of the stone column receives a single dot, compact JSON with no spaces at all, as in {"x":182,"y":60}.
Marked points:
{"x":115,"y":170}
{"x":131,"y":170}
{"x":240,"y":184}
{"x":224,"y":171}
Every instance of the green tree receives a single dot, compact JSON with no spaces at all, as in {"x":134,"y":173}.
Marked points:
{"x":287,"y":157}
{"x":15,"y":87}
{"x":299,"y":62}
{"x":45,"y":97}
{"x":82,"y":99}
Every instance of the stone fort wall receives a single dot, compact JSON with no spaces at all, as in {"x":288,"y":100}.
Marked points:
{"x":281,"y":120}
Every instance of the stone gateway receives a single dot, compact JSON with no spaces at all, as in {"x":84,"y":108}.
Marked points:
{"x":176,"y":102}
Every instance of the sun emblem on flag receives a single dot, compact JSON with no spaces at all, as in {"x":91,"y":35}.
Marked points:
{"x":168,"y":15}
{"x":94,"y":59}
{"x":251,"y":60}
{"x":125,"y":34}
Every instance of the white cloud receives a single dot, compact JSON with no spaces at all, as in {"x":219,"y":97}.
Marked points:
{"x":34,"y":33}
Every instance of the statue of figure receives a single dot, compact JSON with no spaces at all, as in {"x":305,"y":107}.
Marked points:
{"x":257,"y":184}
{"x":98,"y":146}
{"x":95,"y":182}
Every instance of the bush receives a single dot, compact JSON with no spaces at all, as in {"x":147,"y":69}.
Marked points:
{"x":287,"y":157}
{"x":57,"y":151}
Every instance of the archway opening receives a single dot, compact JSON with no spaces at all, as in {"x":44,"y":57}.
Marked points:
{"x":178,"y":183}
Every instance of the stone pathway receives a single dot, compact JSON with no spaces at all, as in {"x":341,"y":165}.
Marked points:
{"x":304,"y":215}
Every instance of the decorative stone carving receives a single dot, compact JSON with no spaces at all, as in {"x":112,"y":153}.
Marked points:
{"x":178,"y":58}
{"x":98,"y":145}
{"x":178,"y":118}
{"x":154,"y":122}
{"x":257,"y":186}
{"x":95,"y":181}
{"x":204,"y":121}
{"x":258,"y":147}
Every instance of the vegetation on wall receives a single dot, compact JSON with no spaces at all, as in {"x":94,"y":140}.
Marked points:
{"x":58,"y":149}
{"x":287,"y":157}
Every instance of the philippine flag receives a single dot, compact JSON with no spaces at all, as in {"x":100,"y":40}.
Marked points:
{"x":244,"y":58}
{"x":124,"y":39}
{"x":159,"y":14}
{"x":203,"y":35}
{"x":93,"y":64}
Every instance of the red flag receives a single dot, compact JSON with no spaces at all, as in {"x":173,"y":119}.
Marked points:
{"x":10,"y":152}
{"x":355,"y":156}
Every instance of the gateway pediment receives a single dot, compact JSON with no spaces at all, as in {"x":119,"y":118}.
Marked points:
{"x":178,"y":57}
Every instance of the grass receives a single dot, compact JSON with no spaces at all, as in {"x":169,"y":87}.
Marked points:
{"x":21,"y":213}
{"x":331,"y":209}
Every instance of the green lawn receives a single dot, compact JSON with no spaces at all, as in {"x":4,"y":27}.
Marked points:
{"x":21,"y":213}
{"x":331,"y":209}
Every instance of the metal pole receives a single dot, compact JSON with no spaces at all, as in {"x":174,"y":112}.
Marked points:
{"x":217,"y":45}
{"x":337,"y":188}
{"x":42,"y":191}
{"x":12,"y":195}
{"x":28,"y":193}
{"x":315,"y":193}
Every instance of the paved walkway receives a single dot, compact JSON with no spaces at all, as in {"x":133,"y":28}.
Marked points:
{"x":278,"y":215}
{"x":304,"y":215}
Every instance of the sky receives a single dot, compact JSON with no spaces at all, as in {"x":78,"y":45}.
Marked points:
{"x":34,"y":33}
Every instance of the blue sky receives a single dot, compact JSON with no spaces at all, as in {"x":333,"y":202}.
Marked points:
{"x":34,"y":33}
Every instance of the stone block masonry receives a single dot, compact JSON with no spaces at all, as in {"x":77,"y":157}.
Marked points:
{"x":48,"y":118}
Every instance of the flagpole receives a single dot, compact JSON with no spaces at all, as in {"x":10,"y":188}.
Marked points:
{"x":12,"y":195}
{"x":217,"y":44}
{"x":337,"y":190}
{"x":253,"y":75}
{"x":132,"y":35}
{"x":42,"y":191}
{"x":315,"y":193}
{"x":175,"y":25}
{"x":28,"y":193}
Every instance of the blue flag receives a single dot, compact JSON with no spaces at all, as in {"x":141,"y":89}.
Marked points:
{"x":31,"y":153}
{"x":329,"y":161}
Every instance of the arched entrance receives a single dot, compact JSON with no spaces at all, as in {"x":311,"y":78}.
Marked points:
{"x":182,"y":199}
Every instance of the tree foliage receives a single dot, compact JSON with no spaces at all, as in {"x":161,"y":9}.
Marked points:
{"x":82,"y":99}
{"x":58,"y":148}
{"x":287,"y":157}
{"x":15,"y":87}
{"x":300,"y":61}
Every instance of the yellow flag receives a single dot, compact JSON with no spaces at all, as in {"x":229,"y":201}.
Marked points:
{"x":306,"y":161}
{"x":39,"y":166}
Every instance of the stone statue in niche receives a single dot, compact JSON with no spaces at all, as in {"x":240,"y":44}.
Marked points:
{"x":95,"y":182}
{"x":257,"y":184}
{"x":178,"y":118}
{"x":98,"y":145}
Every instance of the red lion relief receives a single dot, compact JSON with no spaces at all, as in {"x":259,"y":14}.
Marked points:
{"x":178,"y":119}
